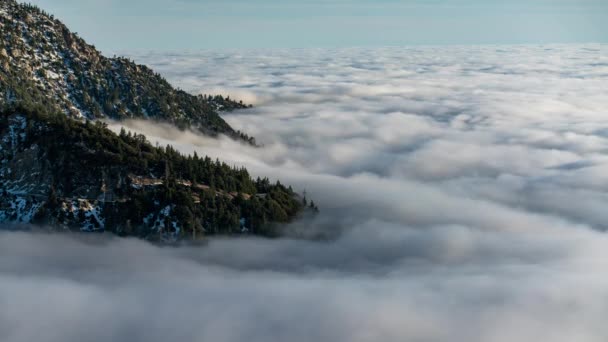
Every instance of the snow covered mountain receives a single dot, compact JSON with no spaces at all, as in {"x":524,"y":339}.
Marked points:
{"x":43,"y":63}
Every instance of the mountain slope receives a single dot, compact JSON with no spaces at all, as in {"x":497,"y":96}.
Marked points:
{"x":79,"y":175}
{"x":42,"y":63}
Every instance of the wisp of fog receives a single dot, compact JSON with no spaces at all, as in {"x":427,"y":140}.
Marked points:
{"x":463,"y":196}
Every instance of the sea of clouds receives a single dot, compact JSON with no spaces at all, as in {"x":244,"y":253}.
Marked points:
{"x":463,"y":195}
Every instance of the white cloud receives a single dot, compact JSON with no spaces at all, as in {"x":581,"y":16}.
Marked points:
{"x":462,"y":192}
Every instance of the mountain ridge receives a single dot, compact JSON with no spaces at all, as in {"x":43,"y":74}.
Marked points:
{"x":75,"y":175}
{"x":43,"y":63}
{"x":61,"y":167}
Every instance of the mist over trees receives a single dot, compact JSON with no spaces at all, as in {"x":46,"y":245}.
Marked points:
{"x":201,"y":196}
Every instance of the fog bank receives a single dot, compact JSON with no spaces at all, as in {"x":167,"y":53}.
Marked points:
{"x":462,"y":193}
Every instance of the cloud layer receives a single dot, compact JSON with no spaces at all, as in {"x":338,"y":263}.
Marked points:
{"x":462,"y":194}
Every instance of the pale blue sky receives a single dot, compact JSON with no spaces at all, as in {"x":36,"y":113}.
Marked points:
{"x":114,"y":25}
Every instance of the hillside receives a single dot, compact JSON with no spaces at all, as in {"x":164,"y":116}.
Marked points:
{"x":78,"y":175}
{"x":43,"y":63}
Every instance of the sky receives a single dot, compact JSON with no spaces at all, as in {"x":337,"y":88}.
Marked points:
{"x":114,"y":25}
